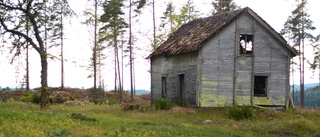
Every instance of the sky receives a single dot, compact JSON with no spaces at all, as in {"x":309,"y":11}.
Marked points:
{"x":77,"y":50}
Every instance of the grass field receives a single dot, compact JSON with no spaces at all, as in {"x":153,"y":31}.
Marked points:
{"x":27,"y":120}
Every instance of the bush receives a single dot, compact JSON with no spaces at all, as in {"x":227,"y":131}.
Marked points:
{"x":29,"y":96}
{"x":162,"y":104}
{"x":35,"y":98}
{"x":240,"y":112}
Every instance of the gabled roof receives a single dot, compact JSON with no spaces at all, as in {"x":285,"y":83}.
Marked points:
{"x":191,"y":35}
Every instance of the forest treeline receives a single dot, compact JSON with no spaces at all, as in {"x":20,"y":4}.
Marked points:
{"x":311,"y":95}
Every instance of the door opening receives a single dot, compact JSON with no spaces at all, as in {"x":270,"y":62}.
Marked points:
{"x":181,"y":88}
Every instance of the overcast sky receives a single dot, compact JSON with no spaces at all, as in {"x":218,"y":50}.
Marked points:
{"x":78,"y":50}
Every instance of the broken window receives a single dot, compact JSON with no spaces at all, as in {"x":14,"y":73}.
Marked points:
{"x":163,"y":87}
{"x":246,"y":44}
{"x":260,"y":86}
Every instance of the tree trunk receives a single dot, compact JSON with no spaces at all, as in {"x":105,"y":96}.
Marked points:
{"x":292,"y":69}
{"x":61,"y":40}
{"x":154,"y":26}
{"x":44,"y":98}
{"x":130,"y":48}
{"x":115,"y":69}
{"x":302,"y":74}
{"x":117,"y":65}
{"x":27,"y":60}
{"x":122,"y":62}
{"x":95,"y":50}
{"x":220,"y":6}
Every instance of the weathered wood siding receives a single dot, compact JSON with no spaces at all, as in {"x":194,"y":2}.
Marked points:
{"x":243,"y":63}
{"x":171,"y":67}
{"x":216,"y":63}
{"x":271,"y":58}
{"x":226,"y":77}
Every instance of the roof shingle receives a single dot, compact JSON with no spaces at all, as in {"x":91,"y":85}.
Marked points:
{"x":191,"y":35}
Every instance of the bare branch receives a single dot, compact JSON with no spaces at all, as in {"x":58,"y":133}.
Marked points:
{"x":19,"y":34}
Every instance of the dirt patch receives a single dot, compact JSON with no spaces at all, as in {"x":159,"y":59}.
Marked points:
{"x":182,"y":110}
{"x":75,"y":102}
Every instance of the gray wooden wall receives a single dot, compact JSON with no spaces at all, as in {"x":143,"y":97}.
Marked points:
{"x":220,"y":62}
{"x":217,"y":75}
{"x":171,"y":67}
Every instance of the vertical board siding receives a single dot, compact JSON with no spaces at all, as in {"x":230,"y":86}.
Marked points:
{"x":217,"y":69}
{"x":170,"y":67}
{"x":271,"y":58}
{"x":217,"y":75}
{"x":244,"y":63}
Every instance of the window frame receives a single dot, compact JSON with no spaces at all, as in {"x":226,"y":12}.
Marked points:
{"x":266,"y":85}
{"x":243,"y":51}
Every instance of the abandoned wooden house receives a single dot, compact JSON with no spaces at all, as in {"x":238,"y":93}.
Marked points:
{"x":234,"y":57}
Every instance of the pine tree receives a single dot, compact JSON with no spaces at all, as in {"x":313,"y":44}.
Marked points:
{"x":221,"y":6}
{"x":316,"y":59}
{"x":59,"y":10}
{"x":298,"y":27}
{"x":139,"y":5}
{"x":92,"y":22}
{"x":113,"y":26}
{"x":174,"y":21}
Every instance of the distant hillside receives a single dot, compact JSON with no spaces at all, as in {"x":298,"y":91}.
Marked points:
{"x":311,"y":96}
{"x":306,"y":86}
{"x":142,"y":91}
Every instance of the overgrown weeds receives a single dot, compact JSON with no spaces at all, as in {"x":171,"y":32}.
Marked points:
{"x":241,"y":112}
{"x":162,"y":104}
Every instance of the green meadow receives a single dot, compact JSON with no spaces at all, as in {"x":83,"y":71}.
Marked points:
{"x":19,"y":119}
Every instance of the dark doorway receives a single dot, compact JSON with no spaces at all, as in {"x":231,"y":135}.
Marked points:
{"x":260,"y":86}
{"x":164,"y":87}
{"x":181,"y":88}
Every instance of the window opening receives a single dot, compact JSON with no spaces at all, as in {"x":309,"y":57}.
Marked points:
{"x":260,"y":86}
{"x":246,"y":44}
{"x":164,"y":87}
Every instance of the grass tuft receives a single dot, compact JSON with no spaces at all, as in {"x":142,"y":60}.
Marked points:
{"x":162,"y":104}
{"x":241,"y":112}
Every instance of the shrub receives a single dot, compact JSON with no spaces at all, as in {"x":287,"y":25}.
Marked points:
{"x":240,"y":112}
{"x":29,"y":96}
{"x":162,"y":104}
{"x":35,"y":98}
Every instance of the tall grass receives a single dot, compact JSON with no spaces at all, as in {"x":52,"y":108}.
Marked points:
{"x":241,"y":112}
